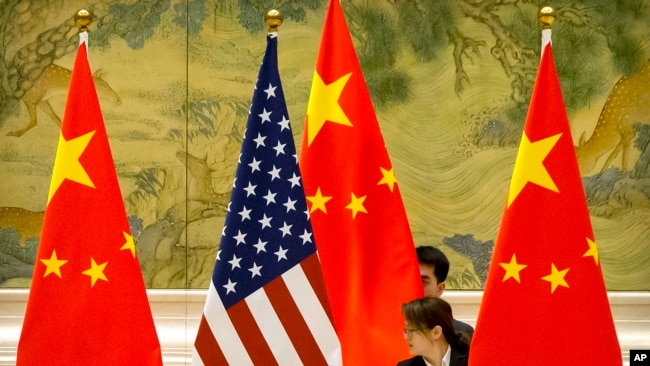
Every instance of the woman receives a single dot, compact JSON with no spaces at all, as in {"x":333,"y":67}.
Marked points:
{"x":429,"y":331}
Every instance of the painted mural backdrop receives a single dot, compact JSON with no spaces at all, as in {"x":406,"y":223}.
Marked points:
{"x":450,"y":80}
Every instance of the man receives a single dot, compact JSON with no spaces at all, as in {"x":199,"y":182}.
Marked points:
{"x":434,"y":267}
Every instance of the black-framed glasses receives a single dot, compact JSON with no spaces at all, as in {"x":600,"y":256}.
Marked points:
{"x":409,"y":331}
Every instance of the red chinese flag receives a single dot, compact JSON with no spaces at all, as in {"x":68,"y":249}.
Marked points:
{"x":545,"y":301}
{"x":360,"y":225}
{"x":87,"y":303}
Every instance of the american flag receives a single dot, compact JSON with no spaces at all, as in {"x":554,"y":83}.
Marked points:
{"x":267,"y":302}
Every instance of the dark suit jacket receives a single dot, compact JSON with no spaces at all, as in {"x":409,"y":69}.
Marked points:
{"x":463,"y":327}
{"x":457,"y":359}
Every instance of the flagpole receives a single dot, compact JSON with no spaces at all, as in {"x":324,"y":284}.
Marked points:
{"x":281,"y":314}
{"x":273,"y":19}
{"x":83,"y":18}
{"x":546,"y":220}
{"x":546,"y":17}
{"x":87,"y":301}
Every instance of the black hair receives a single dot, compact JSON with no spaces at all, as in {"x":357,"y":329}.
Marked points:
{"x":435,"y":257}
{"x":428,"y":312}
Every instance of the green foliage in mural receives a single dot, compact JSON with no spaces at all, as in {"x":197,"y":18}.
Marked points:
{"x":463,"y":280}
{"x":251,"y":12}
{"x":9,"y":244}
{"x":203,"y":117}
{"x":426,"y":26}
{"x":148,"y":184}
{"x":624,"y":40}
{"x":642,"y":167}
{"x":612,"y":191}
{"x":590,"y":43}
{"x":479,"y":252}
{"x":190,"y":16}
{"x":374,"y":31}
{"x":135,"y":224}
{"x":135,"y":22}
{"x":599,"y":187}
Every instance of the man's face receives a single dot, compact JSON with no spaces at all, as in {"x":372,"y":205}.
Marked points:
{"x":432,"y":288}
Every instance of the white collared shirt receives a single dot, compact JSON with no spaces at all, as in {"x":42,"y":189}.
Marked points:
{"x":446,"y":359}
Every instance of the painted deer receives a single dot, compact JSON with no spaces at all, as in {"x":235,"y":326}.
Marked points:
{"x":54,"y":81}
{"x":160,"y":239}
{"x":200,"y":182}
{"x":627,"y":104}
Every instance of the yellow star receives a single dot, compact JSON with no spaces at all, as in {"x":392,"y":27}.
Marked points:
{"x":556,"y":278}
{"x":129,"y":244}
{"x":53,"y":265}
{"x":512,"y":269}
{"x":388,"y":178}
{"x":67,"y":165}
{"x":593,"y":250}
{"x":529,"y":166}
{"x":318,"y":201}
{"x":356,"y":205}
{"x":96,"y":271}
{"x":324,"y":105}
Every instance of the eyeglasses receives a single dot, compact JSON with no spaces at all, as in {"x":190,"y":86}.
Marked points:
{"x":409,"y":331}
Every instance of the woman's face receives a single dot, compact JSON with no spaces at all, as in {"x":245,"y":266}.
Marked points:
{"x":418,"y":340}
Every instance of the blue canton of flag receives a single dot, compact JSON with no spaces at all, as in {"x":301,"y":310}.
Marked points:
{"x":267,"y":229}
{"x":267,"y":302}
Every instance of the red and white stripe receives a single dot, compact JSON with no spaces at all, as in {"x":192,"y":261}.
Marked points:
{"x":283,"y":323}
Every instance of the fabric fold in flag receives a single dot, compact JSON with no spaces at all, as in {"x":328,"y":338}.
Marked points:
{"x":267,"y":303}
{"x":545,"y":301}
{"x":360,"y":225}
{"x":87,"y":303}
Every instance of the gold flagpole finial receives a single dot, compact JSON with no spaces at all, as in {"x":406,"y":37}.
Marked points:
{"x":547,"y":17}
{"x":273,"y":18}
{"x":83,"y":18}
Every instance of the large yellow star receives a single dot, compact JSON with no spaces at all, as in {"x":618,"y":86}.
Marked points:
{"x":529,"y":166}
{"x":593,"y":250}
{"x":324,"y":105}
{"x":129,"y":244}
{"x":356,"y":205}
{"x":53,"y":265}
{"x":318,"y":201}
{"x":512,"y":269}
{"x":556,"y":278}
{"x":67,"y":165}
{"x":96,"y":271}
{"x":388,"y":178}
